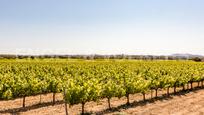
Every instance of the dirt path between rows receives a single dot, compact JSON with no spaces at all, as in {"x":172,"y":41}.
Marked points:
{"x":191,"y":103}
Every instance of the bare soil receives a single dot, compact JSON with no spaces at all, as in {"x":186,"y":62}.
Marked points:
{"x":183,"y":103}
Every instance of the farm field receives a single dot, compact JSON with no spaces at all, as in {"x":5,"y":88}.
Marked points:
{"x":181,"y":104}
{"x":101,"y":57}
{"x":100,"y":86}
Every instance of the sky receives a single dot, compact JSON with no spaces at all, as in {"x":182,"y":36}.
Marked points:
{"x":156,"y":27}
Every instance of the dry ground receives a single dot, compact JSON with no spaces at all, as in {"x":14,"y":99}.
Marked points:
{"x":191,"y":103}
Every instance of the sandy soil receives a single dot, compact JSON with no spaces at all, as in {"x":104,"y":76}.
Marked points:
{"x":183,"y":103}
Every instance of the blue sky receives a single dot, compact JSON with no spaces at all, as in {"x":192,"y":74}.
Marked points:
{"x":102,"y":26}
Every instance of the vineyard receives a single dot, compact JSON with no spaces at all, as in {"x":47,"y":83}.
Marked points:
{"x":82,"y":81}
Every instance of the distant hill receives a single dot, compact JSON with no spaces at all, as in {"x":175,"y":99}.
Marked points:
{"x":187,"y":55}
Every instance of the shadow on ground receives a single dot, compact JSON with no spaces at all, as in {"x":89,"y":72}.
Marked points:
{"x":15,"y":111}
{"x":143,"y":103}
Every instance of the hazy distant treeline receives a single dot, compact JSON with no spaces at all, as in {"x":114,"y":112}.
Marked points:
{"x":92,"y":57}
